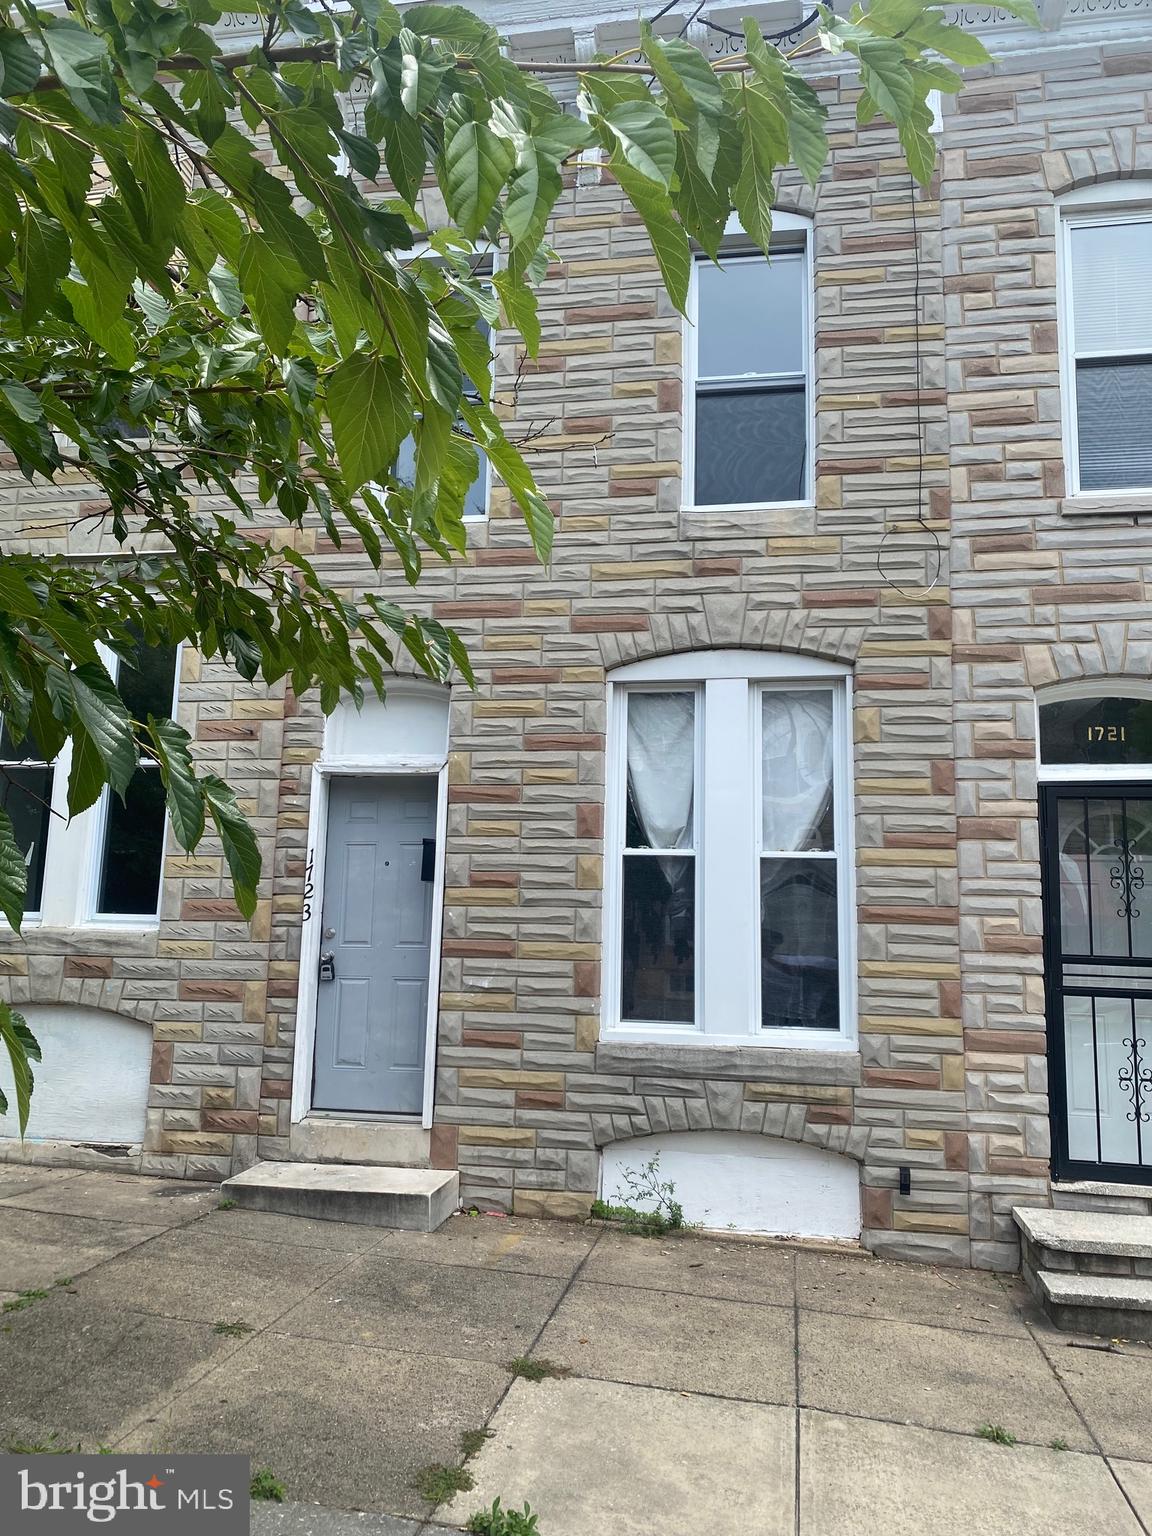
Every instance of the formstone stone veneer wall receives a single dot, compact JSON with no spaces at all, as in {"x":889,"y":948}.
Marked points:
{"x":953,"y":587}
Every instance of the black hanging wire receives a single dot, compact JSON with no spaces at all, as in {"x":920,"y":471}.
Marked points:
{"x":938,"y":548}
{"x":714,"y":26}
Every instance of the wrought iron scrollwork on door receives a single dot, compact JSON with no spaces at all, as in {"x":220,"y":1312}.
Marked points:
{"x":1127,"y":877}
{"x":1136,"y":1081}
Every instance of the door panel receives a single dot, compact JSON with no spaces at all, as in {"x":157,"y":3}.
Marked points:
{"x":371,"y":1015}
{"x":1098,"y":970}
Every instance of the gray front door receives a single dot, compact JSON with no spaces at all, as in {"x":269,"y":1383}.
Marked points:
{"x":372,"y":996}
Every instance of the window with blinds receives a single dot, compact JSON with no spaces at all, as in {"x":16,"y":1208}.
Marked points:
{"x":1109,"y":266}
{"x":748,"y":356}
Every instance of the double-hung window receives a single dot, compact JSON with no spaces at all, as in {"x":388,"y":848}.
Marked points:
{"x":103,"y":866}
{"x":729,"y":882}
{"x":749,"y":364}
{"x":1107,"y":347}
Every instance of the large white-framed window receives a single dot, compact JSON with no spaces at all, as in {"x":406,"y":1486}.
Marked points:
{"x":749,"y":368}
{"x":103,"y":867}
{"x":729,"y":888}
{"x":1105,"y":291}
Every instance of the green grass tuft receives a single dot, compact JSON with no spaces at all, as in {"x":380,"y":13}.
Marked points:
{"x":997,"y":1434}
{"x":536,"y":1369}
{"x":266,"y":1485}
{"x":437,"y":1483}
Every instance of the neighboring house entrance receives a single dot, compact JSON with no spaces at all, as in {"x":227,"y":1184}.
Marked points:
{"x":372,"y":989}
{"x":1096,"y":830}
{"x":371,"y":923}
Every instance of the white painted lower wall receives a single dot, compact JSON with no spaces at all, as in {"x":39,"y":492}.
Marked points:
{"x":745,"y":1183}
{"x":92,"y":1085}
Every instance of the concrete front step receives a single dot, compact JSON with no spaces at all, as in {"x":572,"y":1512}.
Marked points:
{"x":1118,"y":1306}
{"x":416,"y":1199}
{"x":1100,"y":1195}
{"x":1098,"y":1234}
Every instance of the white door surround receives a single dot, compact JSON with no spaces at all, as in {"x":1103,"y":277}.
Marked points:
{"x":406,"y":735}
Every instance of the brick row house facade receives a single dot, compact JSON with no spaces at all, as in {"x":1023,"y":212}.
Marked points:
{"x":794,"y":827}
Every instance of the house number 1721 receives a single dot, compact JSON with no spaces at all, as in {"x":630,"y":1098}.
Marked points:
{"x":1105,"y":732}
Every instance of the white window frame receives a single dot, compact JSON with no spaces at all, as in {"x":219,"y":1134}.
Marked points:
{"x":729,"y":686}
{"x":792,"y":235}
{"x":1112,"y":203}
{"x":76,"y":845}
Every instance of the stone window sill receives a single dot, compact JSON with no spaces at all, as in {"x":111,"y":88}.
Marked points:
{"x":760,"y":1063}
{"x":1118,"y":504}
{"x":773,"y":518}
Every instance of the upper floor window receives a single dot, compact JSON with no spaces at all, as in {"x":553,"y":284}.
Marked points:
{"x":476,"y":497}
{"x":103,"y":866}
{"x":748,"y":438}
{"x":1107,"y":340}
{"x":729,"y":876}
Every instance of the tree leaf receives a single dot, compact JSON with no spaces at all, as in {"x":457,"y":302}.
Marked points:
{"x":101,"y":711}
{"x":476,"y":163}
{"x":645,"y":138}
{"x":362,"y":154}
{"x":185,"y":798}
{"x":81,"y":60}
{"x":667,"y":234}
{"x":19,"y":65}
{"x":23,"y":1049}
{"x":87,"y":776}
{"x":755,"y":191}
{"x":405,"y":155}
{"x":370,"y":412}
{"x":271,"y":283}
{"x":807,"y":137}
{"x":13,"y":874}
{"x":241,"y":850}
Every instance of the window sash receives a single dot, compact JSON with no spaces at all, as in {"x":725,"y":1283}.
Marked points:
{"x":623,"y":852}
{"x":729,"y":855}
{"x":1129,"y":475}
{"x":698,"y":384}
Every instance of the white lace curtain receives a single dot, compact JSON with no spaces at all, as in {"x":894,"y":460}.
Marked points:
{"x":661,"y":763}
{"x":797,"y":770}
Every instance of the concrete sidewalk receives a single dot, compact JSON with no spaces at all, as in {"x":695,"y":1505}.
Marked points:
{"x":718,"y":1386}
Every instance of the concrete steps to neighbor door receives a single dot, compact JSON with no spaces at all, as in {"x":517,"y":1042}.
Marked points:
{"x":1091,"y":1270}
{"x":415,"y":1199}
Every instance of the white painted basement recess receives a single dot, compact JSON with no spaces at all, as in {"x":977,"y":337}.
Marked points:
{"x":92,"y":1085}
{"x":729,"y":1180}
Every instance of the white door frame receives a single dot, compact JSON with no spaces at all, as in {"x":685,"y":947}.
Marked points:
{"x":323,"y":772}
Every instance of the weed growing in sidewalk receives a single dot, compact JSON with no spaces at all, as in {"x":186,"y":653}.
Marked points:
{"x":472,"y":1441}
{"x":226,"y":1205}
{"x":235,"y":1330}
{"x":1057,"y":1445}
{"x":536,"y":1369}
{"x":436,"y":1484}
{"x":648,"y":1206}
{"x":24,"y":1299}
{"x":997,"y":1434}
{"x":266,"y":1485}
{"x":503,"y":1522}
